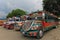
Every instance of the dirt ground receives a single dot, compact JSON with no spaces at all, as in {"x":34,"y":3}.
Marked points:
{"x":6,"y":34}
{"x":52,"y":35}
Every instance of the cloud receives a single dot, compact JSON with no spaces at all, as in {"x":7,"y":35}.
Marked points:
{"x":2,"y":14}
{"x":28,"y":5}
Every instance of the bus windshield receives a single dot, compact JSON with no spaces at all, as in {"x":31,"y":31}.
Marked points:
{"x":27,"y":25}
{"x":36,"y":23}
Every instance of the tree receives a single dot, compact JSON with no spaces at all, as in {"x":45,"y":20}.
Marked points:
{"x":16,"y":12}
{"x":52,"y":6}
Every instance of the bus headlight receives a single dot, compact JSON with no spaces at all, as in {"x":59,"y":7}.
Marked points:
{"x":34,"y":27}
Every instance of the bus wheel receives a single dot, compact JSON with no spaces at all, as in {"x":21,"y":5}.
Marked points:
{"x":40,"y":34}
{"x":56,"y":26}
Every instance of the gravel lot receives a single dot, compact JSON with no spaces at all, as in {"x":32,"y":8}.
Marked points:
{"x":6,"y":34}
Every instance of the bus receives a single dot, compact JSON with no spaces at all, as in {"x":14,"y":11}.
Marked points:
{"x":39,"y":25}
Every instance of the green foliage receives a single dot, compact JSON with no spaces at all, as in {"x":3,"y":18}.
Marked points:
{"x":16,"y":12}
{"x":52,"y":6}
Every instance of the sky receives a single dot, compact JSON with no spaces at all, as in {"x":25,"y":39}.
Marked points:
{"x":7,"y":6}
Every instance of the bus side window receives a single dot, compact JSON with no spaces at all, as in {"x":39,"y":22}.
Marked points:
{"x":49,"y":18}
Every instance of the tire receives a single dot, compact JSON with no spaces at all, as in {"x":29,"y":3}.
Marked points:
{"x":40,"y":34}
{"x":56,"y":26}
{"x":11,"y":27}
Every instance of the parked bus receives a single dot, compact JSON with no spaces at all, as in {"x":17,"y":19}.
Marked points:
{"x":38,"y":26}
{"x":18,"y":24}
{"x":8,"y":24}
